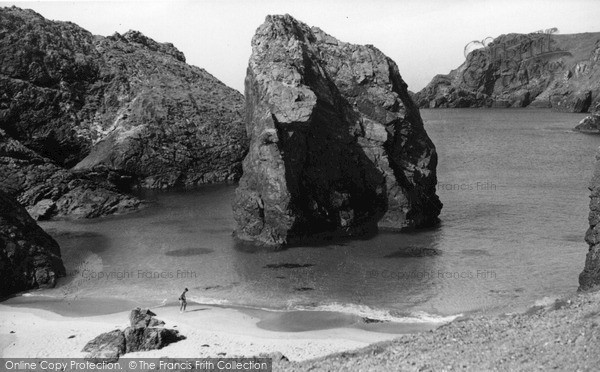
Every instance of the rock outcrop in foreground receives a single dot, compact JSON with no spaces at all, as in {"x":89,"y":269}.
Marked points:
{"x":107,"y":115}
{"x":562,"y":335}
{"x":145,"y":333}
{"x":337,"y":146}
{"x":29,"y":258}
{"x":590,"y":276}
{"x":519,"y":70}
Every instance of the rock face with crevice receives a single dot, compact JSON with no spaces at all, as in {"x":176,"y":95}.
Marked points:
{"x":523,"y":70}
{"x":96,"y":117}
{"x":337,"y":146}
{"x":29,"y":258}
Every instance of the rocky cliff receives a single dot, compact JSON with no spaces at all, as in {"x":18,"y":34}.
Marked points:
{"x":29,"y":258}
{"x":337,"y":146}
{"x":124,"y":110}
{"x":519,"y":70}
{"x":590,"y":277}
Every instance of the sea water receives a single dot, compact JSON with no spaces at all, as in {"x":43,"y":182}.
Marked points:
{"x":514,"y":188}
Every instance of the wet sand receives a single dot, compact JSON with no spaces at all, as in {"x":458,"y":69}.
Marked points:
{"x":47,"y":327}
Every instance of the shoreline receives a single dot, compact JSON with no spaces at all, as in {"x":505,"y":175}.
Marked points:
{"x":49,"y":327}
{"x":561,"y":333}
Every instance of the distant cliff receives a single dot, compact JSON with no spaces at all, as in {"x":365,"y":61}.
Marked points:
{"x":85,"y":118}
{"x":520,"y":70}
{"x":337,"y":146}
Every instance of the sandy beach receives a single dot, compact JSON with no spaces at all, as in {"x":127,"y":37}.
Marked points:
{"x":210,"y":331}
{"x":554,"y":333}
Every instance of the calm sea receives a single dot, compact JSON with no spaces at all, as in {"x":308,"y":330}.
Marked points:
{"x":514,"y":188}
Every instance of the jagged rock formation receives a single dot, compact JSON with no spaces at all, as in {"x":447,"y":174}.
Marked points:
{"x":337,"y":146}
{"x":519,"y":70}
{"x":52,"y":191}
{"x":591,"y":123}
{"x":122,"y":108}
{"x":590,"y":276}
{"x":29,"y":258}
{"x":145,"y":333}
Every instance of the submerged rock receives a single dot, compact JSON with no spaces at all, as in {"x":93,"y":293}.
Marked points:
{"x":517,"y":70}
{"x":337,"y":146}
{"x":29,"y":258}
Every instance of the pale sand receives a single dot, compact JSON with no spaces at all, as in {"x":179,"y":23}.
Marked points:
{"x":42,"y":333}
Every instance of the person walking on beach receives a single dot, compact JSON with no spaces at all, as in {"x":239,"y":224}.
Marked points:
{"x":182,"y":301}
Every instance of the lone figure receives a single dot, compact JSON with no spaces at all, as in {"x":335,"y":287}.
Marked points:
{"x":182,"y":301}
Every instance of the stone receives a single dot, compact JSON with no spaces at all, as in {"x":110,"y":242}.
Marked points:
{"x":144,"y":318}
{"x":98,"y":117}
{"x":29,"y":258}
{"x":337,"y":146}
{"x":145,"y":333}
{"x":48,"y":190}
{"x":523,"y":70}
{"x":107,"y":347}
{"x":143,"y":339}
{"x":591,"y":123}
{"x":589,"y":279}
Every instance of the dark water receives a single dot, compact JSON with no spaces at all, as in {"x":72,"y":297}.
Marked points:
{"x":514,"y":188}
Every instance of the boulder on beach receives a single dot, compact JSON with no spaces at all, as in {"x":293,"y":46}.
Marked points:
{"x":337,"y":146}
{"x":107,"y":347}
{"x":141,"y":318}
{"x":29,"y":258}
{"x":145,"y":333}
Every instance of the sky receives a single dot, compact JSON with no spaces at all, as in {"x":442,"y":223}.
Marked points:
{"x":424,"y":37}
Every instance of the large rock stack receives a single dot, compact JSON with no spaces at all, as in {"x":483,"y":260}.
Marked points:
{"x":337,"y":146}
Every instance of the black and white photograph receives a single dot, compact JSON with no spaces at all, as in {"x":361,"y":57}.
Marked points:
{"x":288,"y":185}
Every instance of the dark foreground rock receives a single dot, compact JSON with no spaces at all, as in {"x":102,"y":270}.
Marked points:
{"x":520,"y":70}
{"x":110,"y":114}
{"x":29,"y":258}
{"x":590,"y":276}
{"x":337,"y":146}
{"x":145,"y":333}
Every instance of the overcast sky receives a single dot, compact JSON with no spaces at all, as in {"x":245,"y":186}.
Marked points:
{"x":424,"y":37}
